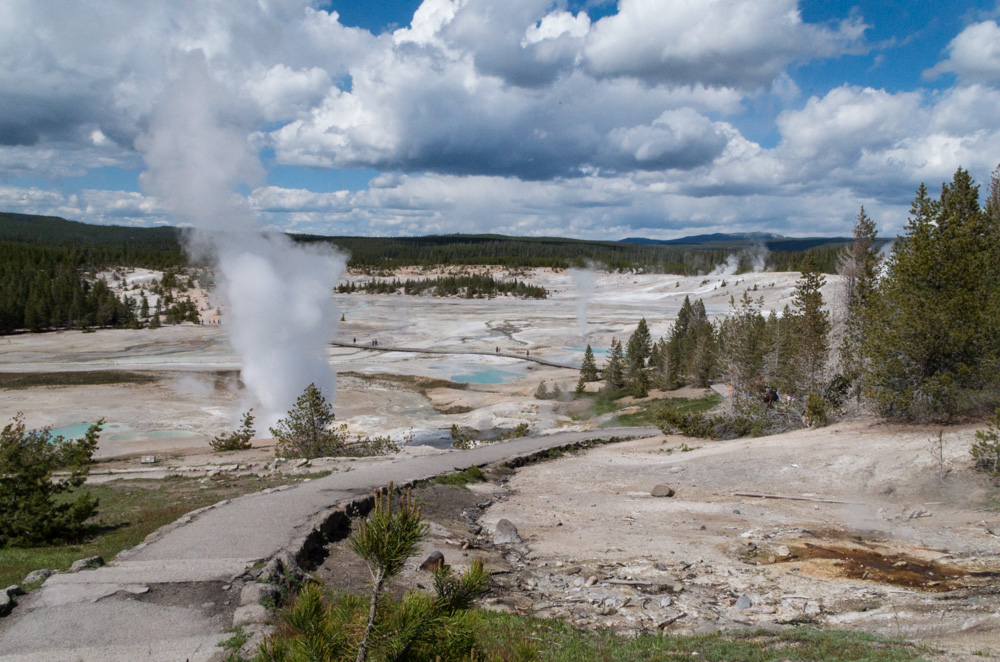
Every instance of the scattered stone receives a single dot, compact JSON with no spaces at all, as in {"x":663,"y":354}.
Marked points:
{"x":781,"y":551}
{"x":255,"y":593}
{"x":433,"y":562}
{"x":666,"y":601}
{"x":743,"y":603}
{"x":249,"y":614}
{"x":663,"y":490}
{"x":37,"y":576}
{"x":579,"y":581}
{"x":590,"y":581}
{"x":659,"y":566}
{"x":505,"y":533}
{"x":813,"y":609}
{"x":6,"y":604}
{"x":88,"y":563}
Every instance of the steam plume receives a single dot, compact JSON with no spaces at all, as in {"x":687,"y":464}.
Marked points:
{"x":583,"y":283}
{"x":279,"y":295}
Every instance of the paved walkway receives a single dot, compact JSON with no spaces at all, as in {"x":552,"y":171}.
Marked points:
{"x":139,"y":608}
{"x":423,"y":350}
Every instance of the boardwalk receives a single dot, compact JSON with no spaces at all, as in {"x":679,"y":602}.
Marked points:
{"x":417,"y":350}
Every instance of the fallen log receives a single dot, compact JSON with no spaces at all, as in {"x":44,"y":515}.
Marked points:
{"x":795,"y":498}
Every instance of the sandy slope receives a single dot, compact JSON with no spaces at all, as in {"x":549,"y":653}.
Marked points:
{"x":797,"y":561}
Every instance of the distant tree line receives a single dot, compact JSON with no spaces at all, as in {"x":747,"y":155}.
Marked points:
{"x":470,"y":286}
{"x":387,"y":253}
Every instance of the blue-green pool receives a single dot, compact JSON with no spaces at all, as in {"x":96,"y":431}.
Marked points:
{"x":486,"y":375}
{"x":70,"y":432}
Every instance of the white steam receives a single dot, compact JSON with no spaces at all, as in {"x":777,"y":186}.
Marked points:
{"x":583,"y":283}
{"x":279,"y":295}
{"x":750,"y":259}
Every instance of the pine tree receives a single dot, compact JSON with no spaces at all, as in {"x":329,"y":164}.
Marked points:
{"x":35,"y":508}
{"x":238,"y":440}
{"x":637,"y":352}
{"x":676,"y":365}
{"x":859,"y":272}
{"x":307,"y":429}
{"x":588,"y":370}
{"x":932,"y":347}
{"x":614,"y":370}
{"x":812,"y":326}
{"x":743,"y":346}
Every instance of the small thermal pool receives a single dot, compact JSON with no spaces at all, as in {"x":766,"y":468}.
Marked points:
{"x":487,"y":375}
{"x":71,"y":432}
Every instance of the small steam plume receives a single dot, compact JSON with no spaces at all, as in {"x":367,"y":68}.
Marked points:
{"x":279,"y":295}
{"x":727,"y":268}
{"x":583,"y":283}
{"x":750,"y":259}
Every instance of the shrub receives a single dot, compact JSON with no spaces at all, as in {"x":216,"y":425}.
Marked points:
{"x":306,"y":432}
{"x":421,"y":627}
{"x":986,"y":449}
{"x":238,"y":440}
{"x":816,"y":412}
{"x":34,"y":509}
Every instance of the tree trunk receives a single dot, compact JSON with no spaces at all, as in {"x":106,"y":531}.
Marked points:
{"x":376,"y":590}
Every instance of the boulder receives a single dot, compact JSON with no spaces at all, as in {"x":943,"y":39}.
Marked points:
{"x":6,"y":604}
{"x":37,"y":576}
{"x":663,"y":490}
{"x":250,"y":614}
{"x":505,"y":533}
{"x":88,"y":563}
{"x":255,"y":593}
{"x":433,"y":562}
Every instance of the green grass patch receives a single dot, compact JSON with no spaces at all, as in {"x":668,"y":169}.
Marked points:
{"x":645,"y":415}
{"x":19,"y":380}
{"x":129,"y":511}
{"x":509,"y":637}
{"x":462,"y":478}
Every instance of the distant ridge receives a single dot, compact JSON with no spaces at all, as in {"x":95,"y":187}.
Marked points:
{"x":744,"y":240}
{"x":715,"y":238}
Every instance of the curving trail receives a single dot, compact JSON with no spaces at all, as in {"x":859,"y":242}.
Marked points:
{"x":170,"y":599}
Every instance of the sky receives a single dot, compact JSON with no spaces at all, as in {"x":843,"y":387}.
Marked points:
{"x":579,"y":118}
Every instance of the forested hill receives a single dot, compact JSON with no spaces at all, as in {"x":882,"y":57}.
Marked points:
{"x":94,"y":246}
{"x":98,"y":246}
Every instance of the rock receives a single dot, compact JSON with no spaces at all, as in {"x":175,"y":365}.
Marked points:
{"x":505,"y":533}
{"x":666,"y":601}
{"x":781,"y":551}
{"x":37,"y":576}
{"x":257,"y":633}
{"x":13,"y":591}
{"x":88,"y":563}
{"x":812,"y":609}
{"x":250,"y":614}
{"x":6,"y":604}
{"x":743,"y":603}
{"x":255,"y":593}
{"x":579,"y":581}
{"x":433,"y":562}
{"x":590,"y":581}
{"x":663,"y":490}
{"x":282,"y":569}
